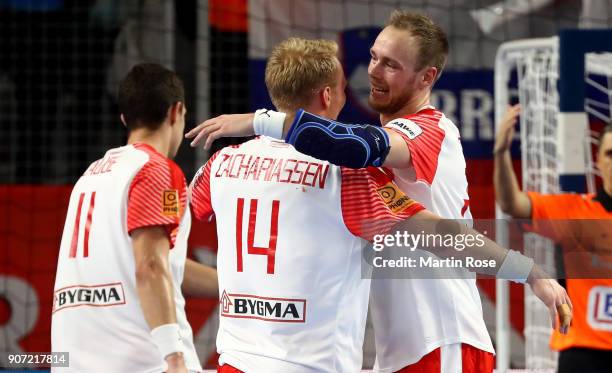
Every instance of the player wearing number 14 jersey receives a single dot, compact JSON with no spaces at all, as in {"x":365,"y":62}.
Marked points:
{"x":291,"y":229}
{"x":118,"y":305}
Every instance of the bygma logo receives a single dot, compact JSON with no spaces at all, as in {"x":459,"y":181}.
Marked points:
{"x":81,"y":295}
{"x":263,"y":308}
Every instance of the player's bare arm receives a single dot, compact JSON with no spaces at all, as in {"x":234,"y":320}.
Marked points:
{"x":399,"y":154}
{"x":200,"y":280}
{"x":393,"y":151}
{"x":508,"y":194}
{"x":513,"y":265}
{"x":226,"y":125}
{"x":151,"y":248}
{"x":154,"y":285}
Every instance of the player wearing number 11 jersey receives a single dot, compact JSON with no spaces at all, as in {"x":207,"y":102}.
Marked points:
{"x":117,"y":304}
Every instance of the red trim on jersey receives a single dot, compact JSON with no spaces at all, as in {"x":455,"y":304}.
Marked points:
{"x":75,"y":231}
{"x":178,"y":183}
{"x":430,"y":363}
{"x":88,"y":224}
{"x":200,"y":191}
{"x":146,"y":194}
{"x":364,"y":211}
{"x":473,"y":360}
{"x":226,"y":368}
{"x":466,"y":206}
{"x":425,"y":148}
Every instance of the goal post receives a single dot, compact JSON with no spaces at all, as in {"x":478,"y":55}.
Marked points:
{"x":509,"y":57}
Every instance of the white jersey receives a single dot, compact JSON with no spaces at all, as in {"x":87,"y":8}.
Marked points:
{"x":442,"y":311}
{"x":96,"y":312}
{"x":291,"y":230}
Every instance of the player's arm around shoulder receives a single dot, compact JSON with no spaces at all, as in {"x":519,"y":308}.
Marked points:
{"x":225,"y":125}
{"x":342,"y":144}
{"x":417,"y":142}
{"x":399,"y":154}
{"x":151,"y":246}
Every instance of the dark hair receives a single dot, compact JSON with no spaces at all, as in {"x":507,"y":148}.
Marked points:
{"x":432,"y":41}
{"x":146,"y":93}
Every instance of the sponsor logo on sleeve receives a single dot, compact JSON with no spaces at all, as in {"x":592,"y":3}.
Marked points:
{"x":245,"y":306}
{"x":88,"y":295}
{"x":394,"y":198}
{"x":600,"y":308}
{"x":170,"y":202}
{"x":407,"y":127}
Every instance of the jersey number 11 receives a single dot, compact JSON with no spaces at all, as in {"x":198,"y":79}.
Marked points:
{"x":75,"y":232}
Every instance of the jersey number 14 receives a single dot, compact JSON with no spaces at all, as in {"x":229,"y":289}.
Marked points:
{"x":269,"y":251}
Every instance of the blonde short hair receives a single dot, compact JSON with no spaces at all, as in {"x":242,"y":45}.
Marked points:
{"x":297,"y":68}
{"x":432,"y":41}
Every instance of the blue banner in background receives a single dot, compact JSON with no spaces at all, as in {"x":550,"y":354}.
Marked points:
{"x":466,"y":97}
{"x":32,"y":5}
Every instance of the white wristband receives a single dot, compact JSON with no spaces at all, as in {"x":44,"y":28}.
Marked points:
{"x":269,"y":123}
{"x":168,"y":339}
{"x":516,"y":267}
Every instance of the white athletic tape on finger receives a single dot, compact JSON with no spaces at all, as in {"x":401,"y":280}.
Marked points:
{"x":269,"y":123}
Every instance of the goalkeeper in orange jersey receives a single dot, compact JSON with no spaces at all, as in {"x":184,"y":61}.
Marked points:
{"x":588,"y":345}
